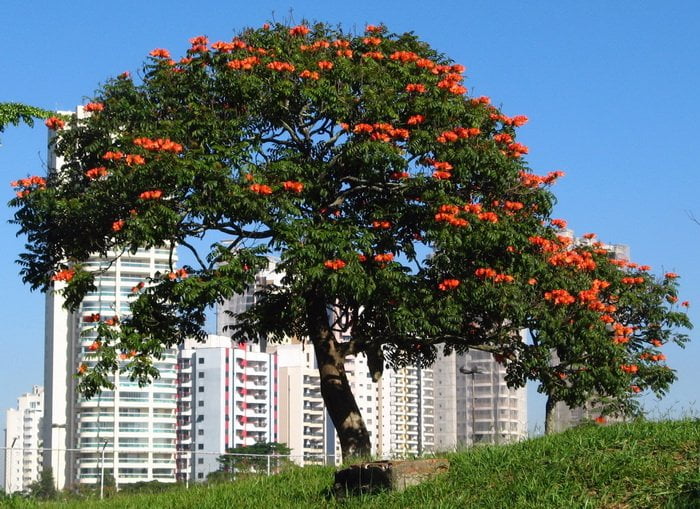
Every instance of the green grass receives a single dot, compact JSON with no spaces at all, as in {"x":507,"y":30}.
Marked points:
{"x":638,"y":465}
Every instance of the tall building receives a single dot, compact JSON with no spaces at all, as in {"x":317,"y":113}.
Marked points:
{"x":23,"y":441}
{"x":473,"y":403}
{"x":135,"y":426}
{"x":226,"y":399}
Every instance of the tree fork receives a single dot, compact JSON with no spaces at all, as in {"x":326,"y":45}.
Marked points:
{"x":335,"y":389}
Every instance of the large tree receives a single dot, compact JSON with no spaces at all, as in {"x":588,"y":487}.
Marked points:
{"x":401,"y":209}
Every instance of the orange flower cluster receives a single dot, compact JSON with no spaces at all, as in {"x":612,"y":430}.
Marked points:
{"x":381,"y":225}
{"x":629,"y":368}
{"x":112,"y":321}
{"x":180,"y":273}
{"x":299,"y":30}
{"x":112,"y":156}
{"x":118,"y":225}
{"x":160,"y":53}
{"x":89,"y":107}
{"x":318,"y":45}
{"x":227,"y":47}
{"x":372,"y":41}
{"x":447,"y":213}
{"x":374,"y":28}
{"x":530,"y":180}
{"x":490,"y":217}
{"x":582,"y":260}
{"x":671,"y":275}
{"x":280,"y":66}
{"x":347,"y":53}
{"x":94,"y":346}
{"x":590,"y":297}
{"x":159,"y":145}
{"x":63,"y":275}
{"x":558,"y":223}
{"x":404,"y":56}
{"x":399,"y":175}
{"x":155,"y":194}
{"x":415,"y":119}
{"x":260,"y":189}
{"x":425,"y":63}
{"x":135,"y":289}
{"x":635,"y":388}
{"x":336,"y":264}
{"x":503,"y":138}
{"x":382,"y":132}
{"x":82,"y":369}
{"x":94,"y":317}
{"x":632,"y":280}
{"x":28,"y":185}
{"x":418,"y":88}
{"x":517,"y":121}
{"x":376,"y":55}
{"x":449,"y":284}
{"x":559,"y":297}
{"x":291,"y":185}
{"x":312,"y":75}
{"x":480,"y":100}
{"x":325,"y":65}
{"x":657,"y":343}
{"x":513,"y":206}
{"x":487,"y":273}
{"x":199,"y":44}
{"x":383,"y":258}
{"x":473,"y":208}
{"x":451,"y":83}
{"x":516,"y":150}
{"x":135,"y":159}
{"x":54,"y":123}
{"x":244,"y":64}
{"x":458,"y":133}
{"x":94,"y":173}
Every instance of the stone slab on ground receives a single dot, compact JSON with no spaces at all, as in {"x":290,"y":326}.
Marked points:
{"x":376,"y":476}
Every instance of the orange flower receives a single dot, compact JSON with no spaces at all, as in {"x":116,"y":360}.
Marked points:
{"x":635,"y":388}
{"x":281,"y":66}
{"x":293,"y":186}
{"x":418,"y":88}
{"x":160,"y":53}
{"x":94,"y":346}
{"x":325,"y":65}
{"x":372,"y":41}
{"x":559,"y":297}
{"x":685,"y":304}
{"x":54,"y":123}
{"x":629,"y":368}
{"x":600,"y":419}
{"x":63,"y":275}
{"x":415,"y":119}
{"x":82,"y":368}
{"x":376,"y":55}
{"x":532,"y":281}
{"x":449,"y":284}
{"x":135,"y":159}
{"x":94,"y":173}
{"x":383,"y":258}
{"x":313,"y":75}
{"x":151,"y":195}
{"x":94,"y":107}
{"x":382,"y":225}
{"x":299,"y":30}
{"x":670,"y":275}
{"x":94,"y":317}
{"x":261,"y":189}
{"x":112,"y":156}
{"x":335,"y":264}
{"x":480,"y":100}
{"x":118,"y":225}
{"x":374,"y":28}
{"x":245,"y":64}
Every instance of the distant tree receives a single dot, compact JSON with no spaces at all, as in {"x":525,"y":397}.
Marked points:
{"x":255,"y":458}
{"x":388,"y":194}
{"x":16,"y":113}
{"x":44,"y":488}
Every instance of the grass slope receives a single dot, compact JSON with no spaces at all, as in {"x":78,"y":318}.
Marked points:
{"x":638,"y":465}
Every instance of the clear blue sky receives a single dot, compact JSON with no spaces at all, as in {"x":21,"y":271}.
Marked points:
{"x":611,"y":89}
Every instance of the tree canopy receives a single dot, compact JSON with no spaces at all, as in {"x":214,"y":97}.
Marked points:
{"x":389,"y":194}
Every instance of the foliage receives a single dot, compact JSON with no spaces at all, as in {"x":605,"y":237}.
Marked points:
{"x":263,"y":457}
{"x":16,"y":113}
{"x":387,"y":193}
{"x":44,"y":488}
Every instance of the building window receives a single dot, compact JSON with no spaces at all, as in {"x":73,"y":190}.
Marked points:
{"x":200,"y":461}
{"x":201,"y":388}
{"x":200,"y":403}
{"x":200,"y":432}
{"x":200,"y":447}
{"x":201,"y":374}
{"x":200,"y":360}
{"x":200,"y":475}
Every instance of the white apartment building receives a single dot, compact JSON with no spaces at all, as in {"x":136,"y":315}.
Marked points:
{"x":226,"y":399}
{"x":135,"y":425}
{"x":473,"y":403}
{"x":23,"y":440}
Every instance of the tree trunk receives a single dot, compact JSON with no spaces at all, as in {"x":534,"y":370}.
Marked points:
{"x":335,"y":389}
{"x":549,"y":415}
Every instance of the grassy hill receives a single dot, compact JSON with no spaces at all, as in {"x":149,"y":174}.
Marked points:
{"x":638,"y":465}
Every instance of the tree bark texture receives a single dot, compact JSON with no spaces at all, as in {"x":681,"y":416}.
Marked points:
{"x":335,"y":389}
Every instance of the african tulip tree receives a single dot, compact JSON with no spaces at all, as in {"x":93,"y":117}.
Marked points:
{"x":389,"y":196}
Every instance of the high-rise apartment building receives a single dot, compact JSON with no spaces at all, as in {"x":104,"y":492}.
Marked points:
{"x":226,"y":399}
{"x":473,"y":403}
{"x":135,"y":426}
{"x":23,"y":440}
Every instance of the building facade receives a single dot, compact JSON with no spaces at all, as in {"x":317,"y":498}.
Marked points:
{"x":226,"y":399}
{"x":23,"y":441}
{"x":473,"y":403}
{"x":135,"y":427}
